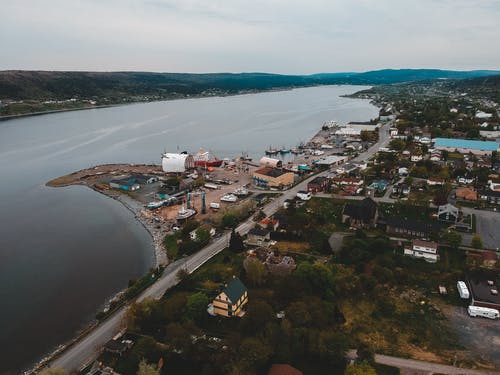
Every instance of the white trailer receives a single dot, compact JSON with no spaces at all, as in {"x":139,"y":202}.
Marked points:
{"x":463,"y":290}
{"x":484,"y":312}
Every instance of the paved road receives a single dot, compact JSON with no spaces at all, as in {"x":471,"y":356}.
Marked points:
{"x":87,"y":349}
{"x":412,"y":364}
{"x":487,"y":225}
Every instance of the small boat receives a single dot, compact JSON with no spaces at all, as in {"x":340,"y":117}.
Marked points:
{"x":295,"y":151}
{"x":214,"y":205}
{"x":241,"y":192}
{"x":245,"y":157}
{"x":271,"y":151}
{"x":231,"y":198}
{"x":185,"y":213}
{"x":284,"y":151}
{"x":155,"y":205}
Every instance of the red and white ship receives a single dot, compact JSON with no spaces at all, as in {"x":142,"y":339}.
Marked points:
{"x":206,"y":159}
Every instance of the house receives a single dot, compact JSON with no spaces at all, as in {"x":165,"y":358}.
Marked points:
{"x":348,"y":181}
{"x":330,"y":161}
{"x":403,"y":171}
{"x":416,"y":157}
{"x":435,"y":181}
{"x":283,"y":369}
{"x":231,"y":300}
{"x":124,"y":184}
{"x":275,"y":264}
{"x":487,"y":259}
{"x":143,"y":179}
{"x":379,"y":185}
{"x":423,"y":249}
{"x":393,"y":132}
{"x":484,"y":286}
{"x":466,"y":194}
{"x":318,"y":184}
{"x":409,"y":227}
{"x":347,"y":168}
{"x":465,"y":180}
{"x":269,"y":223}
{"x":258,"y":236}
{"x":98,"y":368}
{"x":448,"y":213}
{"x":363,"y":215}
{"x":273,"y":178}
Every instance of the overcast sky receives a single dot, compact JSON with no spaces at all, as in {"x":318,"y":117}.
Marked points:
{"x":280,"y":36}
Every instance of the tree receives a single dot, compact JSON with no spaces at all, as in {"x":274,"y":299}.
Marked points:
{"x":258,"y":314}
{"x":365,"y":352}
{"x":454,"y":239}
{"x":229,"y":221}
{"x":256,"y":271}
{"x":254,"y":352}
{"x":236,"y":242}
{"x":182,"y":274}
{"x":53,"y":371}
{"x":202,"y":236}
{"x":147,"y":369}
{"x":397,"y":144}
{"x":477,"y":242}
{"x":196,"y":305}
{"x":362,"y":368}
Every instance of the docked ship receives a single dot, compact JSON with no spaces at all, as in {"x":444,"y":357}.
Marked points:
{"x":206,"y":159}
{"x":272,"y":151}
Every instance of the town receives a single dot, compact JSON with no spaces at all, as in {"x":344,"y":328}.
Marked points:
{"x":371,"y":242}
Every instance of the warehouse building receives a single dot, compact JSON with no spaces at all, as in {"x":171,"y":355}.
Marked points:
{"x":465,"y":146}
{"x":273,"y":178}
{"x":177,"y":163}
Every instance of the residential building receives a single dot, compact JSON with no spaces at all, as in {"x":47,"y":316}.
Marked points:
{"x":466,"y":146}
{"x":275,"y":264}
{"x":423,"y":249}
{"x":118,"y":347}
{"x":330,"y":161}
{"x":435,"y":181}
{"x":258,"y":236}
{"x":318,"y":184}
{"x":273,"y":178}
{"x":231,"y":300}
{"x":269,"y":223}
{"x":410,"y":227}
{"x":363,"y":215}
{"x":448,"y":213}
{"x":283,"y":369}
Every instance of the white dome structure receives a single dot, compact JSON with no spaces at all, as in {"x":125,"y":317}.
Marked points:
{"x":270,"y":162}
{"x":176,"y":163}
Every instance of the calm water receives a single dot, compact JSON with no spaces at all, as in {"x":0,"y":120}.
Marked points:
{"x":63,"y":252}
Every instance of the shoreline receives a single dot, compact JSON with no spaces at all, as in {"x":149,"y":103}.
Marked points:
{"x":53,"y":111}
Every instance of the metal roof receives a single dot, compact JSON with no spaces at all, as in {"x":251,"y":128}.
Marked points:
{"x":466,"y":143}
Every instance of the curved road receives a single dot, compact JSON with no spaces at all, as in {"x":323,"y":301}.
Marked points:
{"x":81,"y":353}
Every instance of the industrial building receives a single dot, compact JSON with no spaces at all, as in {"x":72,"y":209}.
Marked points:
{"x":273,"y":178}
{"x":177,"y":163}
{"x":267,"y":162}
{"x":465,"y":146}
{"x":484,"y":289}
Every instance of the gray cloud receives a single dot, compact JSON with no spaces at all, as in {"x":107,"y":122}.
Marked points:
{"x":284,"y":36}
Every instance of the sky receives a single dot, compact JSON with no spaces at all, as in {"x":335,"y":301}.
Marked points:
{"x":276,"y":36}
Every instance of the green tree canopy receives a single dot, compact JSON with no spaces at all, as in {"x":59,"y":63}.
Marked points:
{"x":256,"y":271}
{"x":362,"y":368}
{"x":147,"y":369}
{"x":477,"y":242}
{"x":196,"y":306}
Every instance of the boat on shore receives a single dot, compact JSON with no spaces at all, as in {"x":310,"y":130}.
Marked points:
{"x":185,"y":213}
{"x":230,"y":198}
{"x":241,"y":192}
{"x":206,"y":159}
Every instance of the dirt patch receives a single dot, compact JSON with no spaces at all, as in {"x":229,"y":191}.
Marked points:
{"x":285,"y":247}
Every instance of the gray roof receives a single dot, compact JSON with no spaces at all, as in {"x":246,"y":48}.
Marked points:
{"x":235,"y":290}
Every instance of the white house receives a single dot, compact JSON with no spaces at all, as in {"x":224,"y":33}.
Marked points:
{"x":416,"y":157}
{"x":423,"y":249}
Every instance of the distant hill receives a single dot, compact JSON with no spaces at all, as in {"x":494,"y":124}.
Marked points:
{"x":115,"y":86}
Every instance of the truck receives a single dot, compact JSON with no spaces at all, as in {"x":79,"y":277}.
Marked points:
{"x":484,"y":312}
{"x":463,"y":290}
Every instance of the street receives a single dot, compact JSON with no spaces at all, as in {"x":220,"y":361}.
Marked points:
{"x":87,"y":349}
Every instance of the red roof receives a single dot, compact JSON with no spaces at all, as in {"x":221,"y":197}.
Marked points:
{"x":283,"y":369}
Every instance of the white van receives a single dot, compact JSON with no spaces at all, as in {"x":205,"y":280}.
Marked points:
{"x":304,"y":195}
{"x":485,"y":312}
